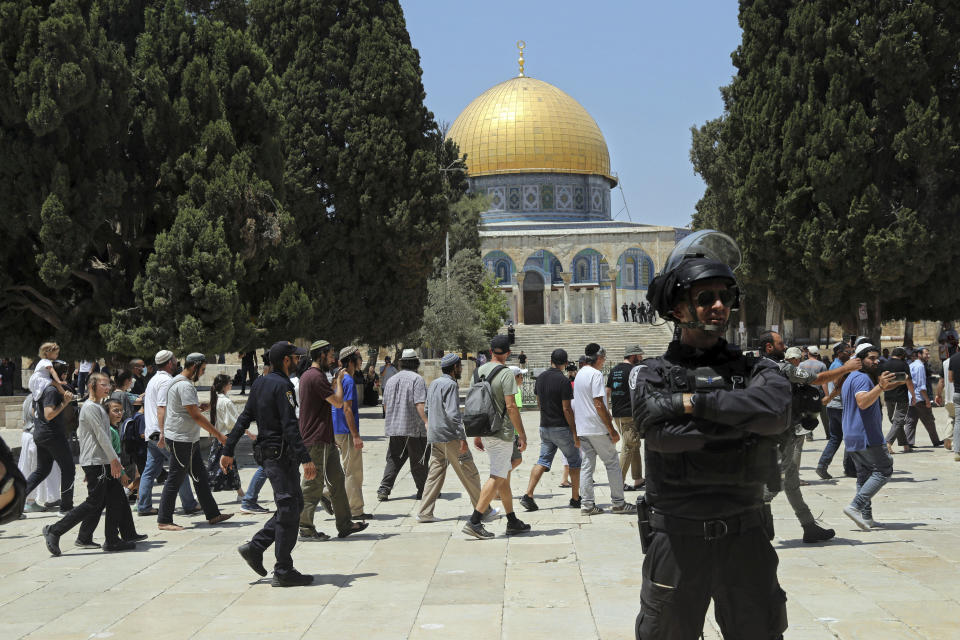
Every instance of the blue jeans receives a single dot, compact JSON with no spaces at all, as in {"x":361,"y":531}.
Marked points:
{"x":155,"y":459}
{"x":874,"y":468}
{"x":553,"y":438}
{"x":834,"y":437}
{"x":253,"y":489}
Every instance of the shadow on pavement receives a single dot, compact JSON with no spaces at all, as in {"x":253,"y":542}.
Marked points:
{"x":339,"y":579}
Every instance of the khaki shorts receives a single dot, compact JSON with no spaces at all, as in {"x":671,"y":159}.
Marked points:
{"x":500,"y":453}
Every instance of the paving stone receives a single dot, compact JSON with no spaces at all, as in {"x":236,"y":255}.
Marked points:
{"x":572,"y":576}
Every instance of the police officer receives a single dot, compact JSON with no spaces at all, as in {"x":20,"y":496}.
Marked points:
{"x":278,"y":449}
{"x":710,"y":417}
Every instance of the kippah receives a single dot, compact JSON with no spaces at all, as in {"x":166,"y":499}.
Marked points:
{"x":449,"y":360}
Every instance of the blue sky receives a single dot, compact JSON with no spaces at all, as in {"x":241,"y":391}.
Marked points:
{"x":646,"y":72}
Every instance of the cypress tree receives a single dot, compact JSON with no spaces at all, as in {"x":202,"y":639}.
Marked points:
{"x":834,"y":162}
{"x":361,"y":175}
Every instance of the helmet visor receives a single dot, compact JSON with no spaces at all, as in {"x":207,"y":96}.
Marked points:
{"x":708,"y":243}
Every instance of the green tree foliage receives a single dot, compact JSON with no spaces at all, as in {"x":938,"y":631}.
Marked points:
{"x":65,"y":185}
{"x":361,"y":163}
{"x":835,"y":160}
{"x":209,"y":174}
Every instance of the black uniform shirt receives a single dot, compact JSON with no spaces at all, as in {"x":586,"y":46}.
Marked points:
{"x":724,"y":425}
{"x":272,"y":405}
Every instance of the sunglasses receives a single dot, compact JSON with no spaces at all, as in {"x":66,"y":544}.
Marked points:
{"x":708,"y":298}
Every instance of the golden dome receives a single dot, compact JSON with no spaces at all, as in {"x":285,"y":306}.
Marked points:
{"x":526,"y":125}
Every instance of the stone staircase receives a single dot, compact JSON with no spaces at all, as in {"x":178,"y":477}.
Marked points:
{"x":538,"y":340}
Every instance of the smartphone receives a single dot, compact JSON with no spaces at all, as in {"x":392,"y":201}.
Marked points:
{"x":900,"y":376}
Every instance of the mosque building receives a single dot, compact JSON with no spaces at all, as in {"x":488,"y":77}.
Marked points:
{"x":548,"y":234}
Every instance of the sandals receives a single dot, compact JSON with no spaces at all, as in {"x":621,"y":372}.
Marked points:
{"x":565,"y":485}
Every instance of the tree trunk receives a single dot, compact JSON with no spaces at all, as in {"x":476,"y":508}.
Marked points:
{"x":774,"y":312}
{"x":908,"y":334}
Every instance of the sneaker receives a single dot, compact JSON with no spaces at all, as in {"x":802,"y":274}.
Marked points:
{"x":426,"y":518}
{"x":528,"y":503}
{"x":253,"y":509}
{"x":873,"y":523}
{"x":253,"y":558}
{"x":491,"y":514}
{"x":313,"y":536}
{"x":626,"y":507}
{"x":477,"y":531}
{"x":956,"y":457}
{"x":591,"y":511}
{"x":574,"y":504}
{"x":148,"y":512}
{"x":292,"y":578}
{"x":86,"y":544}
{"x":137,"y":537}
{"x":33,"y":507}
{"x":857,"y":516}
{"x":326,"y":504}
{"x":52,"y":540}
{"x":822,"y":472}
{"x":517,"y":526}
{"x":54,"y":506}
{"x":813,"y":533}
{"x":383,"y":495}
{"x":119,"y":545}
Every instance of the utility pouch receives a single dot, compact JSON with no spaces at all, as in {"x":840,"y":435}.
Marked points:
{"x":768,"y":521}
{"x":264,"y":452}
{"x":643,"y":523}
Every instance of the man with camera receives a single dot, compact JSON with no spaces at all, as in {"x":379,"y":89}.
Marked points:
{"x":278,"y":449}
{"x":154,"y":415}
{"x":806,"y":404}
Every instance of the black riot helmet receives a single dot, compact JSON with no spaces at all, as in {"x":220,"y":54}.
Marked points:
{"x":704,"y":255}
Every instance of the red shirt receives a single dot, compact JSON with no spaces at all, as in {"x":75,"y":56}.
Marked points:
{"x":316,"y":419}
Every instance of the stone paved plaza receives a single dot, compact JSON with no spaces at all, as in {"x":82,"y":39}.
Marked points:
{"x":573,"y":576}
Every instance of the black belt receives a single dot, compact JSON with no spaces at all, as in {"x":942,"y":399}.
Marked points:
{"x":709,"y":529}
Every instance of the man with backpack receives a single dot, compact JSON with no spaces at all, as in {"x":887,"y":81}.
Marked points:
{"x":490,"y":410}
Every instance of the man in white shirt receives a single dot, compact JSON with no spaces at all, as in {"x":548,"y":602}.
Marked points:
{"x":154,"y":413}
{"x":182,"y":429}
{"x":596,"y":433}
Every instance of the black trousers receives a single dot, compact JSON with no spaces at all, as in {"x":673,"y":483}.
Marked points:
{"x":54,"y":448}
{"x":681,"y":573}
{"x":104,"y":492}
{"x":282,"y":528}
{"x":247,"y":372}
{"x":398,"y":451}
{"x":185,"y":460}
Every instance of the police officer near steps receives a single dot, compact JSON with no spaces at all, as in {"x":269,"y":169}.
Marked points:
{"x":278,"y":449}
{"x":710,"y":417}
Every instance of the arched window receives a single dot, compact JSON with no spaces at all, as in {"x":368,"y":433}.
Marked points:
{"x":503,"y":272}
{"x":583,"y":270}
{"x":629,"y":267}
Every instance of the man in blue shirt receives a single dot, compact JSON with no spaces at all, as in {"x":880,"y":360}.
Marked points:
{"x":863,"y":433}
{"x":920,"y":409}
{"x":346,"y":434}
